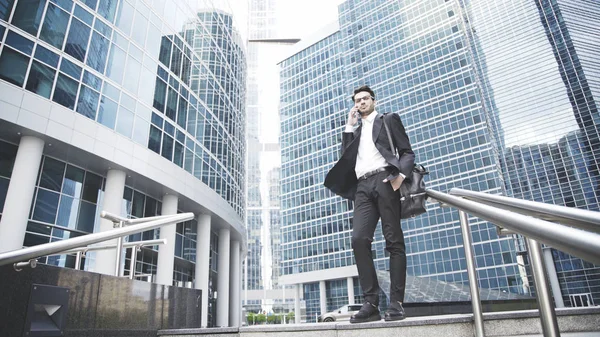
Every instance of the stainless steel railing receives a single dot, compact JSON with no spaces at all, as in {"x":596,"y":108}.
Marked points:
{"x":27,"y":256}
{"x":580,"y":238}
{"x":575,"y":217}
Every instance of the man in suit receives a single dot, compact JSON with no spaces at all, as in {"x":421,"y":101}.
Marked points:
{"x":369,"y":173}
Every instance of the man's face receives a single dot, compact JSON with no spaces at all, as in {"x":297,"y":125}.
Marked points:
{"x":364,"y":102}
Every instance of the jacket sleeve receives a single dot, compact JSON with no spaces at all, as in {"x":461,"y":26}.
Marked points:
{"x":347,"y":138}
{"x":405,"y":153}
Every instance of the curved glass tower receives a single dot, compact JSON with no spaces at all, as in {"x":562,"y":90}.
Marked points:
{"x":134,"y":107}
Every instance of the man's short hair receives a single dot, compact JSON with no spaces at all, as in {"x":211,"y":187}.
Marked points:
{"x":361,"y":89}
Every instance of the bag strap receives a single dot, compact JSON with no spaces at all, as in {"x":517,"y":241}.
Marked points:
{"x":389,"y":135}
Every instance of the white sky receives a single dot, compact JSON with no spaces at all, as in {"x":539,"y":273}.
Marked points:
{"x":296,"y":19}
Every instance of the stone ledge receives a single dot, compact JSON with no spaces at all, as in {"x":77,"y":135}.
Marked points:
{"x":202,"y":331}
{"x":521,"y":322}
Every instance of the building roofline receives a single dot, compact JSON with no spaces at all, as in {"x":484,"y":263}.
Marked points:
{"x":320,"y":34}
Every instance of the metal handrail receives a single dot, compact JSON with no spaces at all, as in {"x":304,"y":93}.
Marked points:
{"x":525,"y":218}
{"x":34,"y":252}
{"x":576,"y":242}
{"x":106,"y":247}
{"x":575,"y":217}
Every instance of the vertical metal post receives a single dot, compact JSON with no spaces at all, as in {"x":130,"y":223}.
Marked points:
{"x":119,"y":251}
{"x":547,"y":314}
{"x":469,"y":256}
{"x":132,"y":262}
{"x":552,"y":278}
{"x":78,"y":260}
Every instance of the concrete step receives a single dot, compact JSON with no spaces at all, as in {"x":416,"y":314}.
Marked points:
{"x":572,"y":322}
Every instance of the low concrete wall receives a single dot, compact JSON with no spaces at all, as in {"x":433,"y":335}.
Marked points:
{"x":98,"y":305}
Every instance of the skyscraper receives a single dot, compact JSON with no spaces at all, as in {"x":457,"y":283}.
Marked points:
{"x":470,"y":80}
{"x":135,"y":109}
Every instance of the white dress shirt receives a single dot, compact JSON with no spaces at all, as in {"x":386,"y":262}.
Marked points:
{"x":368,"y":158}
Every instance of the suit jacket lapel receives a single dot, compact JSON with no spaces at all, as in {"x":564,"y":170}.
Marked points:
{"x":377,"y":124}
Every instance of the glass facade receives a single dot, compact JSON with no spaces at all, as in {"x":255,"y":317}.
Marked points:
{"x":484,"y":111}
{"x":65,"y":206}
{"x":164,"y":75}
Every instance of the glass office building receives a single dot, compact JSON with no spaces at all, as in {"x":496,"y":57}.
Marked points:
{"x":135,"y":104}
{"x":496,"y":96}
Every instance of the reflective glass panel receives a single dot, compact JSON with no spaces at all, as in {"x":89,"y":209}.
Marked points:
{"x":28,"y":15}
{"x":153,"y":41}
{"x":19,"y":42}
{"x":139,"y":29}
{"x":73,"y":182}
{"x":87,"y":102}
{"x":92,"y":80}
{"x":125,"y":17}
{"x":52,"y":174}
{"x":108,"y":8}
{"x":178,"y":154}
{"x":116,"y":64}
{"x":83,"y":15}
{"x":65,"y":4}
{"x":92,"y":187}
{"x":98,"y":52}
{"x":167,"y":147}
{"x":87,"y":215}
{"x":160,"y":93}
{"x":107,"y":114}
{"x":132,"y":75}
{"x":46,"y":56}
{"x":67,"y":212}
{"x":91,"y":3}
{"x":46,"y":206}
{"x":65,"y":91}
{"x":125,"y":122}
{"x":103,"y":28}
{"x":140,"y":133}
{"x":41,"y":79}
{"x":70,"y":68}
{"x":13,"y":66}
{"x":172,"y":104}
{"x":155,"y":139}
{"x":77,"y":41}
{"x":5,"y":9}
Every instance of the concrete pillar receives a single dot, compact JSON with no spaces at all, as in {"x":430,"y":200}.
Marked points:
{"x":553,"y":278}
{"x":20,"y":193}
{"x":323,"y":296}
{"x":234,"y":286}
{"x":113,"y":198}
{"x":223,"y":283}
{"x":203,"y":263}
{"x":297,"y":309}
{"x":350,"y":281}
{"x":166,"y":252}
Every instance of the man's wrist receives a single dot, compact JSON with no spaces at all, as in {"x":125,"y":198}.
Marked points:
{"x":349,"y":128}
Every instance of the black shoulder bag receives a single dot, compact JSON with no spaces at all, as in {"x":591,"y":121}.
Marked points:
{"x":412,"y":190}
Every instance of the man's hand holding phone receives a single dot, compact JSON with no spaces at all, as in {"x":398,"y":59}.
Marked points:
{"x":353,"y":116}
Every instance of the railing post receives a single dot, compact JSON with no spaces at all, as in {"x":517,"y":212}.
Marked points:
{"x":132,"y":261}
{"x":547,"y":314}
{"x":472,"y":272}
{"x":78,"y":260}
{"x":119,"y":250}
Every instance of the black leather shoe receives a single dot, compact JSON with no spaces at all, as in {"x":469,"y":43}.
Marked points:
{"x":395,"y":312}
{"x":368,"y":313}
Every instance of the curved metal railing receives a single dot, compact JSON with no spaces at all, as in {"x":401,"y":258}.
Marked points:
{"x":25,"y":256}
{"x":573,"y":231}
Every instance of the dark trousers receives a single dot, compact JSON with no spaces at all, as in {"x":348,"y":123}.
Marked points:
{"x":375,"y":199}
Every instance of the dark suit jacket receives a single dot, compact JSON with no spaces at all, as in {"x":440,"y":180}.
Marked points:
{"x":341,"y":179}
